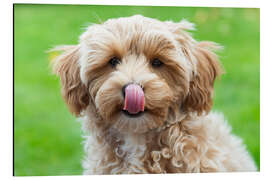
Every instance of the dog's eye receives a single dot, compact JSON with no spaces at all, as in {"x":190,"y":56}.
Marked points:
{"x":156,"y":63}
{"x":114,"y":61}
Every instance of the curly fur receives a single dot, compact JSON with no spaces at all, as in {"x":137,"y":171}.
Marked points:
{"x":178,"y":132}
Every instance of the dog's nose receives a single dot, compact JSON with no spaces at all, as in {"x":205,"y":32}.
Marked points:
{"x":124,"y":89}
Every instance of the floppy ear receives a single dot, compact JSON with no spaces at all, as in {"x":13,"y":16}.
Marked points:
{"x":73,"y":90}
{"x":207,"y":68}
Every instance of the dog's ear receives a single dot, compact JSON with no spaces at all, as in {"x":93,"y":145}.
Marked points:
{"x":73,"y":90}
{"x":206,"y":69}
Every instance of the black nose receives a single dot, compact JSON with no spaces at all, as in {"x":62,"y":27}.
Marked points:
{"x":124,"y":88}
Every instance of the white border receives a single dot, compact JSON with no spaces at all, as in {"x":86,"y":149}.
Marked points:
{"x":202,"y":3}
{"x":6,"y":161}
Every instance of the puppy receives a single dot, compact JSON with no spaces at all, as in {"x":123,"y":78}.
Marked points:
{"x":143,"y":89}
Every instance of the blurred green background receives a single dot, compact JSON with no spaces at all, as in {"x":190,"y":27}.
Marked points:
{"x":48,"y":139}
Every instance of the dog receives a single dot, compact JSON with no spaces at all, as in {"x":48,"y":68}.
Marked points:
{"x":143,"y":89}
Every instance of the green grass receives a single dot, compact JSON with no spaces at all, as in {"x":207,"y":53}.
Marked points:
{"x":48,"y":139}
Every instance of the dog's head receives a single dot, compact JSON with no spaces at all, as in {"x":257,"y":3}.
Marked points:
{"x":138,"y":71}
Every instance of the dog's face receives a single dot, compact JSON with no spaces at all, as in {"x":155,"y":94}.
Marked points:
{"x":137,"y":72}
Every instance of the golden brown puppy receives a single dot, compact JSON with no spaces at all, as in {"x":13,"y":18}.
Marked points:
{"x":143,"y":89}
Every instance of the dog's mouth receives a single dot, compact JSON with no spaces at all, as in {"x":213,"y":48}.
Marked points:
{"x":134,"y":115}
{"x":134,"y":100}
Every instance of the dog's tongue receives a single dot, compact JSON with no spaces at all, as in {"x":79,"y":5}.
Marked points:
{"x":134,"y":99}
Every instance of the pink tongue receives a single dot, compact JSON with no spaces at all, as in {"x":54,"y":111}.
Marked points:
{"x":134,"y":99}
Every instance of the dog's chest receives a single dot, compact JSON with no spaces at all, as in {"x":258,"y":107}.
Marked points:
{"x":132,"y":151}
{"x":133,"y":146}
